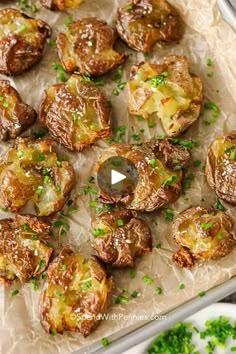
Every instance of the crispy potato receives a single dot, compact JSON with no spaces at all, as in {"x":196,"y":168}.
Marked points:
{"x":120,"y":237}
{"x":15,"y":115}
{"x":22,"y":41}
{"x":76,"y":292}
{"x":143,"y":23}
{"x":203,"y":234}
{"x":61,"y":4}
{"x":168,"y":91}
{"x":24,"y":253}
{"x":31,"y":171}
{"x":221,"y":167}
{"x":87,"y":46}
{"x":76,"y":113}
{"x":159,"y":182}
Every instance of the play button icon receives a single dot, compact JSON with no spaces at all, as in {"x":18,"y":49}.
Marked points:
{"x":117,"y":177}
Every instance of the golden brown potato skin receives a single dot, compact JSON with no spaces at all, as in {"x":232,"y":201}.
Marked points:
{"x":31,"y":171}
{"x":22,"y":41}
{"x":221,"y":167}
{"x":157,"y":186}
{"x":60,"y":4}
{"x":143,"y":23}
{"x":84,"y":101}
{"x":203,"y":234}
{"x":120,"y":245}
{"x":87,"y":46}
{"x":15,"y":115}
{"x":75,"y":288}
{"x":24,"y":253}
{"x":176,"y":100}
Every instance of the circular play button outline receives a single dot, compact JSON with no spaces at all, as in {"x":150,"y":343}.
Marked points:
{"x":117,"y":177}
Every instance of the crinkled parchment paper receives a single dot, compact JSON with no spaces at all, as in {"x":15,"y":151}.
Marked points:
{"x":207,"y":35}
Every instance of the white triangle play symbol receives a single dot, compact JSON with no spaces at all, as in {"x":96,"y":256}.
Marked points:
{"x":116,"y":177}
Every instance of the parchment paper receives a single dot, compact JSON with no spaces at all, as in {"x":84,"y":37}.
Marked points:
{"x":206,"y":36}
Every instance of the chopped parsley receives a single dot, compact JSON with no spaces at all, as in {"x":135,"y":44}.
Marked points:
{"x":42,"y":263}
{"x":129,"y":7}
{"x":209,"y":62}
{"x":89,"y":190}
{"x":153,"y":163}
{"x":182,"y":286}
{"x":170,"y":181}
{"x":58,"y":293}
{"x":98,"y":232}
{"x":135,"y":294}
{"x":105,"y":342}
{"x":170,"y":214}
{"x":75,"y":117}
{"x":20,"y":153}
{"x":159,"y":290}
{"x":26,"y":226}
{"x":215,"y":112}
{"x":151,"y":124}
{"x":147,"y":279}
{"x":39,"y":190}
{"x":159,"y":80}
{"x":202,"y":293}
{"x":132,"y":274}
{"x":93,"y":203}
{"x":197,"y":163}
{"x":219,"y":206}
{"x":35,"y":284}
{"x":61,"y":72}
{"x":120,"y":222}
{"x":15,"y":292}
{"x":68,"y":21}
{"x":188,"y":144}
{"x":86,"y":285}
{"x":158,"y":246}
{"x":206,"y":226}
{"x":46,"y":179}
{"x":121,"y":299}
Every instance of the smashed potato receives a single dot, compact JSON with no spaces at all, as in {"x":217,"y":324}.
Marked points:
{"x":203,"y":234}
{"x":15,"y":115}
{"x":168,"y":91}
{"x":143,"y":23}
{"x":120,"y":237}
{"x":61,"y":4}
{"x":76,"y":113}
{"x":22,"y":41}
{"x":31,"y":171}
{"x":159,"y":164}
{"x":76,"y":292}
{"x":221,"y":167}
{"x":24,"y":252}
{"x":87,"y":46}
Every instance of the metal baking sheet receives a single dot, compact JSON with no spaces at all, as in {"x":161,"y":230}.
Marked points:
{"x":207,"y":35}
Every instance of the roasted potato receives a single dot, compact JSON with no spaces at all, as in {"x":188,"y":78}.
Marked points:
{"x":61,"y":4}
{"x":22,"y":41}
{"x":120,"y":236}
{"x":168,"y":91}
{"x":87,"y":46}
{"x":159,"y":179}
{"x":143,"y":23}
{"x":15,"y":115}
{"x":76,"y":113}
{"x":31,"y":171}
{"x":203,"y":234}
{"x":221,"y":167}
{"x":24,"y":252}
{"x":76,"y":292}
